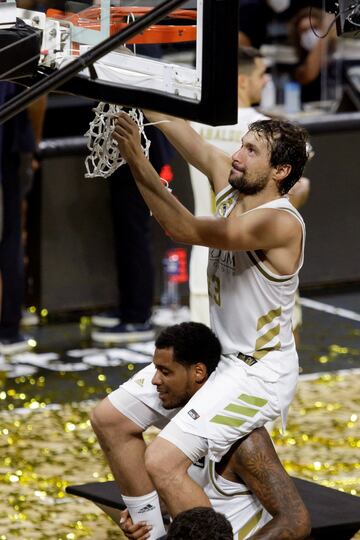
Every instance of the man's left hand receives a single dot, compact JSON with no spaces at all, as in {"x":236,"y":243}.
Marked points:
{"x":128,"y":138}
{"x":139,"y":531}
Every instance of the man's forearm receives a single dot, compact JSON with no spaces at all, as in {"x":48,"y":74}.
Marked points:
{"x":189,"y":144}
{"x":279,"y":529}
{"x":258,"y":465}
{"x":173,"y":217}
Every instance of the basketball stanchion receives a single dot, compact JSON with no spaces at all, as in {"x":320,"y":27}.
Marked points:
{"x":79,"y":55}
{"x":63,"y":75}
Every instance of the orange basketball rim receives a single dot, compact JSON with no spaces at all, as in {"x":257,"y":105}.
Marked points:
{"x":120,"y":17}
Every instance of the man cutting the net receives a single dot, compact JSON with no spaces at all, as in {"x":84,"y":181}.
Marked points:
{"x":256,"y":243}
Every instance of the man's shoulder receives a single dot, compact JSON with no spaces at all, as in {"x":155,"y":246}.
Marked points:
{"x":278,"y":214}
{"x":247,"y":115}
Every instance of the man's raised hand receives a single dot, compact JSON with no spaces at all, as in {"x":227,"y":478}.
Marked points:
{"x":127,"y":136}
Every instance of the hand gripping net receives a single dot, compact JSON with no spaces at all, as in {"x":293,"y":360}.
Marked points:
{"x":105,"y":156}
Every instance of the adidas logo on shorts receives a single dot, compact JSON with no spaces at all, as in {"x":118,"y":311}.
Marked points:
{"x":194,"y":415}
{"x":146,"y":508}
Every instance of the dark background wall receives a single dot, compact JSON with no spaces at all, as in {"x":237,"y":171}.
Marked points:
{"x":332,"y":213}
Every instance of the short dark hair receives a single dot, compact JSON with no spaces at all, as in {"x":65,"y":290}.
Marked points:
{"x":200,"y":523}
{"x":287,"y":144}
{"x":246,"y":59}
{"x":192,"y":342}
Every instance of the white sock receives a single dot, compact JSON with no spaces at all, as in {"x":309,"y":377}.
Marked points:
{"x":147,"y":508}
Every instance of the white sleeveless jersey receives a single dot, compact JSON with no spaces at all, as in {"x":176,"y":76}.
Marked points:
{"x":250,"y":306}
{"x":227,"y":138}
{"x":233,"y":499}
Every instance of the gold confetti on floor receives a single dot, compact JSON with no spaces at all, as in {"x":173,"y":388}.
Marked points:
{"x":44,"y":450}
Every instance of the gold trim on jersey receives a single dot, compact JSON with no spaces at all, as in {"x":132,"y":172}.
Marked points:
{"x":226,"y":202}
{"x":219,"y":199}
{"x":266,"y":319}
{"x":258,"y":355}
{"x":263,"y":271}
{"x":213,"y":203}
{"x":212,"y":473}
{"x":262,"y":342}
{"x":227,"y":420}
{"x":253,"y":400}
{"x":248,"y":527}
{"x":239,"y":410}
{"x":267,"y":337}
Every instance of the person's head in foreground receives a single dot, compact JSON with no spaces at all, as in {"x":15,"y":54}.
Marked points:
{"x":200,"y":524}
{"x":185,"y":355}
{"x":271,"y":151}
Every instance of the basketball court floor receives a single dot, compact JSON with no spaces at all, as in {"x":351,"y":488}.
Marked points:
{"x":46,"y":397}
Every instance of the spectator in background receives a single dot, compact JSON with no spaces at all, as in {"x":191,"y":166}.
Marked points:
{"x":20,"y":136}
{"x":314,"y":53}
{"x":254,"y":16}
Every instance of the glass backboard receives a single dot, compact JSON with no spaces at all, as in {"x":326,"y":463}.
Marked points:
{"x":174,"y":56}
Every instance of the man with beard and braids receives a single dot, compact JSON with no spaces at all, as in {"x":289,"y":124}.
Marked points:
{"x":256,"y":243}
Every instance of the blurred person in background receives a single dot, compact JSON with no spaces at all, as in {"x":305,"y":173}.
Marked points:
{"x":315,"y":70}
{"x":256,"y":16}
{"x":21,"y":134}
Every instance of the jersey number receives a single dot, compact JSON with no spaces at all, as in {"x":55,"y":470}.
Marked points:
{"x":214,"y":288}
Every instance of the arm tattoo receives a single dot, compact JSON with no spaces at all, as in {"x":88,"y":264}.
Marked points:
{"x":257,"y":464}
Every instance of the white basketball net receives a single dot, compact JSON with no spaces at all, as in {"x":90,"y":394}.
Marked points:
{"x":105,"y":156}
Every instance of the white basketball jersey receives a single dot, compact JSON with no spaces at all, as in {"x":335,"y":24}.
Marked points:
{"x":250,"y":306}
{"x":227,"y":138}
{"x":233,"y":499}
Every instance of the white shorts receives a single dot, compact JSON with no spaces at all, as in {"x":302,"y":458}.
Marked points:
{"x":235,"y":400}
{"x":140,"y":387}
{"x":133,"y":406}
{"x":236,"y":502}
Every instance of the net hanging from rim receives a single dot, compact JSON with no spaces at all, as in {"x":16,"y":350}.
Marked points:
{"x":105,"y":158}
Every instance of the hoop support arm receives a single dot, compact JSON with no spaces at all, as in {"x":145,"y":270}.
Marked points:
{"x":19,"y":103}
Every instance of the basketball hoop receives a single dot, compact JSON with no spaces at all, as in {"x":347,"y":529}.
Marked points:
{"x":105,"y":157}
{"x":119,"y":19}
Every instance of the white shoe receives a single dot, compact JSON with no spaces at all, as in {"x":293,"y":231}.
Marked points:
{"x":124,"y":332}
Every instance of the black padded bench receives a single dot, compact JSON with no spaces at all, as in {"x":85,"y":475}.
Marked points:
{"x":334,"y":515}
